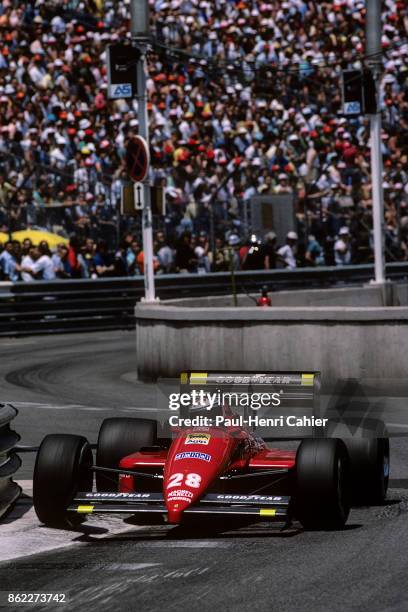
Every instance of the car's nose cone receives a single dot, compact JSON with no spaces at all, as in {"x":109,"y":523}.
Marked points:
{"x":194,"y":462}
{"x":176,"y":505}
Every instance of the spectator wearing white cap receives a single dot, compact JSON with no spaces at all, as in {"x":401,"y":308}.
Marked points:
{"x":231,"y":254}
{"x":289,"y":250}
{"x":342,"y":248}
{"x":283,"y":184}
{"x":203,"y":263}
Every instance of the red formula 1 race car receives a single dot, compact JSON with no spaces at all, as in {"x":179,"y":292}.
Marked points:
{"x":219,"y":471}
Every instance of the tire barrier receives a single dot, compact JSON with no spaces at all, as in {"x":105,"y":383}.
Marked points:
{"x":9,"y":460}
{"x":108,"y":303}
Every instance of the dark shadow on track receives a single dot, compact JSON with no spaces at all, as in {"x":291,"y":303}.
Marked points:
{"x":398,"y":483}
{"x":18,"y":510}
{"x":83,"y":530}
{"x":190,"y":535}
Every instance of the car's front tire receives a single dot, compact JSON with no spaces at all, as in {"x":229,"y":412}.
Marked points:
{"x":62,"y":468}
{"x":322,"y":484}
{"x":117,"y":438}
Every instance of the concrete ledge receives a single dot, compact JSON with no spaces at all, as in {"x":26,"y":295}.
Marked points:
{"x":389,"y":294}
{"x":341,"y":342}
{"x":275,"y":314}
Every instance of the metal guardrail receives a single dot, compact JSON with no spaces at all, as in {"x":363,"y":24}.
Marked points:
{"x":108,"y":303}
{"x":9,"y":460}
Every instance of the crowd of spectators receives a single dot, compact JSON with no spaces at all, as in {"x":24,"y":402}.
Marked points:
{"x":244,"y":99}
{"x":190,"y":253}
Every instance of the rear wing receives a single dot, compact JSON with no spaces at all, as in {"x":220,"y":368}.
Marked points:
{"x":270,"y":403}
{"x":300,"y":411}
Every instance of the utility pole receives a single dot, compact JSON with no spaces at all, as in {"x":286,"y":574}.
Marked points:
{"x":373,"y":51}
{"x":140,"y":31}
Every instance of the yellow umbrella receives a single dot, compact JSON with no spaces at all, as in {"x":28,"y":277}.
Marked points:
{"x":37,"y":236}
{"x":3,"y":237}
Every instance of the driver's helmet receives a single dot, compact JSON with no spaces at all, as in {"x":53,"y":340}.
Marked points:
{"x":206,"y":410}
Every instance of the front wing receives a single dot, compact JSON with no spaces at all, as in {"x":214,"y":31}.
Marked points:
{"x":259,"y":507}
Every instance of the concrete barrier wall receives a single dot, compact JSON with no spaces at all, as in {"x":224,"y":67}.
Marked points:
{"x":341,"y":342}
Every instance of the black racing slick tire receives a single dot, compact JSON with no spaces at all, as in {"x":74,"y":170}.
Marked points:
{"x":322,"y":484}
{"x":62,"y":468}
{"x":369,"y":454}
{"x":117,"y":438}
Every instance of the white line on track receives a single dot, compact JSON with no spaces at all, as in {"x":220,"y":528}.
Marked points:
{"x":45,"y":406}
{"x":129,"y":566}
{"x":30,"y":342}
{"x":22,"y":405}
{"x":186,"y":544}
{"x":21,"y":534}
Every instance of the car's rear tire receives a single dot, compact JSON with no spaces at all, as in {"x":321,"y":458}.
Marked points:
{"x":61,"y":470}
{"x":117,"y":438}
{"x":369,"y":456}
{"x":322,"y":496}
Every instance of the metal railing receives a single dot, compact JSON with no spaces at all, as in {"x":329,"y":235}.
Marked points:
{"x":9,"y":460}
{"x":108,"y":303}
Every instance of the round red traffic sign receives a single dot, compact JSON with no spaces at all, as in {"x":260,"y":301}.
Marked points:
{"x":137,"y":159}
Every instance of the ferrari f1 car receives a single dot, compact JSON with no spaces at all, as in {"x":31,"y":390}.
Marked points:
{"x":219,"y":471}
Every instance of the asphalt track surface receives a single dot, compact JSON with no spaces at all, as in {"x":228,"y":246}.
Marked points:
{"x":69,"y":383}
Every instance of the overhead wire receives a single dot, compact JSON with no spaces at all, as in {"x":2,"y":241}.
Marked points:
{"x":275,"y":68}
